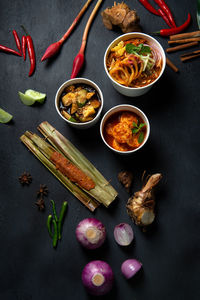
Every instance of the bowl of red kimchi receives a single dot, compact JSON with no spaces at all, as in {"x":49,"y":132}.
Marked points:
{"x":134,"y":62}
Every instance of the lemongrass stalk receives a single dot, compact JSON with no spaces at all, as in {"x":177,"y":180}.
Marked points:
{"x":103,"y":191}
{"x":74,"y":189}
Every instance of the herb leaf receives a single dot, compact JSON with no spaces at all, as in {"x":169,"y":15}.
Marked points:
{"x":140,"y":49}
{"x":141,"y":137}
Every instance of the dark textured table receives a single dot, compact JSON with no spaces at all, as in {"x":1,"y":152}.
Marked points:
{"x":170,"y":251}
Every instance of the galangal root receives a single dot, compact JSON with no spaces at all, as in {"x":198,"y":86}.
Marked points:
{"x":140,"y":206}
{"x":122,"y":16}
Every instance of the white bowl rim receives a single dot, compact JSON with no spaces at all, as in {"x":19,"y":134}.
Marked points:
{"x":80,"y":80}
{"x":124,"y":108}
{"x":141,"y":34}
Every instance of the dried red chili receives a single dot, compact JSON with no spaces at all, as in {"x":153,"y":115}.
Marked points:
{"x":17,"y":40}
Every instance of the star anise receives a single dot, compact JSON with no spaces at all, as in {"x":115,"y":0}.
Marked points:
{"x":43,"y":191}
{"x":25,"y":178}
{"x":40,"y":203}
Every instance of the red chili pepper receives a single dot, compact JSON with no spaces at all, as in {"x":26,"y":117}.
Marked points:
{"x":31,"y":52}
{"x":9,"y":50}
{"x":165,"y":18}
{"x":24,"y":46}
{"x":166,"y":10}
{"x":17,"y":40}
{"x":149,"y":7}
{"x":175,"y":30}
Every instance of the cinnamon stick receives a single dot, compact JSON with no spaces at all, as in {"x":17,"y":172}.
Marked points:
{"x":171,"y":65}
{"x":189,"y":57}
{"x":190,"y":53}
{"x":184,"y":35}
{"x":180,"y":47}
{"x":183,"y":41}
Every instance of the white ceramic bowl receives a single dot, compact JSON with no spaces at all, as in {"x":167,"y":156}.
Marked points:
{"x":129,"y":91}
{"x":84,"y":125}
{"x":124,"y":107}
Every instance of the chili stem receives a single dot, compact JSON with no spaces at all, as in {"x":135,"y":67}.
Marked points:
{"x":76,"y":20}
{"x":87,"y":27}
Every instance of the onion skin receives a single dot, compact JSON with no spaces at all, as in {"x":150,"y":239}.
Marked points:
{"x":123,"y":234}
{"x":91,"y":233}
{"x":130,"y":267}
{"x":102,"y":269}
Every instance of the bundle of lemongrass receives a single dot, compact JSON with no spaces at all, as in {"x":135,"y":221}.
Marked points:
{"x":102,"y":193}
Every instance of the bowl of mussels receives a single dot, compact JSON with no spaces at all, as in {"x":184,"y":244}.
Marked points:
{"x":79,"y":102}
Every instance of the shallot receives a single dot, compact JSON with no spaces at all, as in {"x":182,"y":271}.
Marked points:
{"x":97,"y":277}
{"x":130,"y":267}
{"x":91,"y":233}
{"x":123,"y":234}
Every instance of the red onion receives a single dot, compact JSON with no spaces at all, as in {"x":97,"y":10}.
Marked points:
{"x":91,"y":233}
{"x":123,"y":234}
{"x":97,"y":277}
{"x":130,"y":267}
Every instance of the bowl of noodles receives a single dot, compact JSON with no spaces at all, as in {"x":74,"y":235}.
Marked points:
{"x":124,"y":129}
{"x":134,"y":62}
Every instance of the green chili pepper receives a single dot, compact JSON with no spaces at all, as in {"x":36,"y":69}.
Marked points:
{"x":55,"y":234}
{"x":61,"y":217}
{"x":198,"y":13}
{"x":54,"y":211}
{"x":49,"y":222}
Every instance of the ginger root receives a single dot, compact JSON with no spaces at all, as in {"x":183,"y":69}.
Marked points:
{"x":126,"y":179}
{"x":122,"y":16}
{"x":141,"y":205}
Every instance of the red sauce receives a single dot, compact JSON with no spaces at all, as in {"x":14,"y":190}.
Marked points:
{"x":124,"y":131}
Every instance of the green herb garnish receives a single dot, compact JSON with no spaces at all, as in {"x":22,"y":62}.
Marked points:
{"x":136,"y":128}
{"x":140,"y":49}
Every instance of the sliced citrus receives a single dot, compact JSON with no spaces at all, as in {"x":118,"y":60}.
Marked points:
{"x":27,"y":100}
{"x":5,"y":117}
{"x":37,"y":96}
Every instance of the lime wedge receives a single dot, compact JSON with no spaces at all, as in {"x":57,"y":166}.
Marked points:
{"x":5,"y":117}
{"x":37,"y":96}
{"x":27,"y":100}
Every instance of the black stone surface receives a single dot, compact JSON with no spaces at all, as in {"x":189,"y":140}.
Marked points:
{"x":170,"y":251}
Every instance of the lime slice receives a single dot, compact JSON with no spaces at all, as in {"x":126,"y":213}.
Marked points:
{"x":5,"y":117}
{"x":37,"y":96}
{"x":27,"y":100}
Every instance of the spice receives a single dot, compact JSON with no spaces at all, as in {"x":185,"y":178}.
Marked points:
{"x":165,"y":18}
{"x":9,"y":50}
{"x":31,"y":52}
{"x":25,"y":178}
{"x":79,"y":59}
{"x":61,"y":218}
{"x":24,"y":46}
{"x":149,"y":7}
{"x":40,"y":203}
{"x":175,"y":30}
{"x":181,"y":47}
{"x":171,"y":65}
{"x":43,"y":190}
{"x":165,"y":9}
{"x":17,"y":40}
{"x":55,"y":47}
{"x":141,"y":205}
{"x":185,"y":35}
{"x":183,"y":41}
{"x":126,"y":179}
{"x":120,"y":15}
{"x":190,"y":55}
